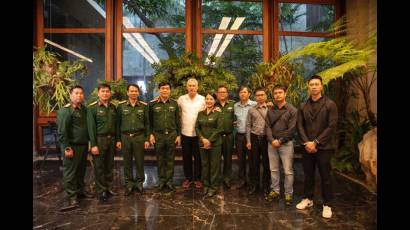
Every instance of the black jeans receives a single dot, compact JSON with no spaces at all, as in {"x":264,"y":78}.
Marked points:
{"x":259,"y":148}
{"x":242,"y":152}
{"x":190,"y":147}
{"x":322,"y":159}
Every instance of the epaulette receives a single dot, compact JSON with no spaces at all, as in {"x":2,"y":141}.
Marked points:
{"x":67,"y":106}
{"x":93,"y":103}
{"x":122,"y":102}
{"x":155,"y":100}
{"x":143,"y":102}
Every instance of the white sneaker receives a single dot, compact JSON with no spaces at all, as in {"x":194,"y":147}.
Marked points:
{"x":327,"y":211}
{"x":305,"y":203}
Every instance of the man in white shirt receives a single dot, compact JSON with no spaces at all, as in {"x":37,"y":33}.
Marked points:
{"x":190,"y":104}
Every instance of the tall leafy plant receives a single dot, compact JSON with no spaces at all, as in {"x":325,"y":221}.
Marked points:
{"x":52,"y":79}
{"x":178,"y":69}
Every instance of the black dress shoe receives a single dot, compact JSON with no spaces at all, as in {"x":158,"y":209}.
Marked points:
{"x":171,"y":186}
{"x":111,"y":193}
{"x":205,"y":192}
{"x":241,"y":184}
{"x":161,"y":187}
{"x":139,"y":188}
{"x":252,"y":190}
{"x":85,"y":194}
{"x":211,"y":193}
{"x":128,"y":191}
{"x":74,"y":202}
{"x":227,"y":184}
{"x":103,"y":196}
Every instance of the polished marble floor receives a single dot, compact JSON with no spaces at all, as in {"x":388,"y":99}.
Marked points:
{"x":355,"y":207}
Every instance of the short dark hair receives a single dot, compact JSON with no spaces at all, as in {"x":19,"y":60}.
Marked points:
{"x":211,"y":93}
{"x":222,"y":86}
{"x":316,"y":77}
{"x":164,"y":83}
{"x":76,"y":87}
{"x":244,"y":87}
{"x":135,"y":85}
{"x":260,"y":89}
{"x":103,"y":85}
{"x":279,"y":86}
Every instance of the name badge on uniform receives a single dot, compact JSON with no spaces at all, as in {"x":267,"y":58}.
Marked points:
{"x":230,"y":108}
{"x":140,"y":110}
{"x":210,"y":119}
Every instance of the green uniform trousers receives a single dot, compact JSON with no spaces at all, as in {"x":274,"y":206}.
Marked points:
{"x":165,"y":151}
{"x":104,"y":163}
{"x":74,"y":170}
{"x":227,"y":148}
{"x":211,"y":162}
{"x":133,"y":147}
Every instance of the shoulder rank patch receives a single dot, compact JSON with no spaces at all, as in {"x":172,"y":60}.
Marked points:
{"x":143,"y":102}
{"x":93,"y":103}
{"x":68,"y":105}
{"x":122,"y":102}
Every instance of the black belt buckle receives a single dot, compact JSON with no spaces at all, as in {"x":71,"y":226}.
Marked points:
{"x":166,"y":132}
{"x":132,"y":134}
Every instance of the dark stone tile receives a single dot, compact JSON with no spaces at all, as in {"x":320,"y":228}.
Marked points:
{"x":354,"y":208}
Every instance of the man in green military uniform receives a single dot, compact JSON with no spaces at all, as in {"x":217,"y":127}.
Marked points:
{"x":209,"y":127}
{"x":73,"y":138}
{"x":132,"y":133}
{"x":226,"y":107}
{"x":165,"y":133}
{"x":101,"y":122}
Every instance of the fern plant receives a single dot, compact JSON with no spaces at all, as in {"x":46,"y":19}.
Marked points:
{"x":52,"y":80}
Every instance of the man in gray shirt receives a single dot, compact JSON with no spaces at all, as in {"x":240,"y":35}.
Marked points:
{"x":256,"y":142}
{"x":241,"y":109}
{"x":280,"y":128}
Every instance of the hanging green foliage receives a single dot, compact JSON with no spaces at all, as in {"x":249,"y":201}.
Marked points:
{"x":52,"y":79}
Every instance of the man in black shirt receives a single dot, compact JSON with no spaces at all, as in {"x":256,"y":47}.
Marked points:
{"x":316,"y":124}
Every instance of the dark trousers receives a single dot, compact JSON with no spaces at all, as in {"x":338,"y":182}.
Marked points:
{"x":242,"y":153}
{"x":259,"y":148}
{"x":74,"y":170}
{"x":165,"y":150}
{"x":322,"y":159}
{"x":133,"y":148}
{"x":190,"y":147}
{"x":104,"y":163}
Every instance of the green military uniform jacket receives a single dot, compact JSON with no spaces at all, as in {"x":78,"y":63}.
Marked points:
{"x":227,"y":115}
{"x":72,"y":125}
{"x":164,"y":116}
{"x":132,"y":119}
{"x":209,"y":126}
{"x":101,"y":120}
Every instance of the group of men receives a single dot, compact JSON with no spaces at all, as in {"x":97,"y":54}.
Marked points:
{"x":262,"y":132}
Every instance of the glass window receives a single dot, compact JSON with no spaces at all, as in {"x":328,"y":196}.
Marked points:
{"x":289,"y":43}
{"x":154,"y":14}
{"x":240,"y":53}
{"x":49,"y":135}
{"x":305,"y":17}
{"x":232,"y":15}
{"x":140,"y":50}
{"x":307,"y":65}
{"x":74,"y":13}
{"x":78,"y":46}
